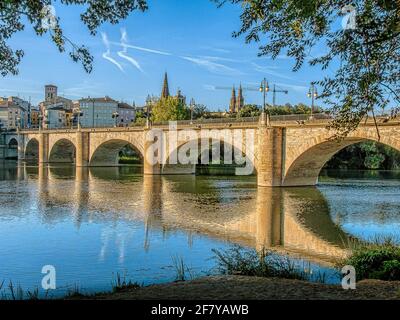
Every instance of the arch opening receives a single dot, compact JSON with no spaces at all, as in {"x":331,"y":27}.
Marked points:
{"x":219,"y":159}
{"x":32,"y":151}
{"x":12,"y":152}
{"x":220,"y":163}
{"x":116,"y":153}
{"x":306,"y":169}
{"x":63,"y":151}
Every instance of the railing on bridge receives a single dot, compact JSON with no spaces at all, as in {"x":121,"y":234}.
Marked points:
{"x":299,"y":118}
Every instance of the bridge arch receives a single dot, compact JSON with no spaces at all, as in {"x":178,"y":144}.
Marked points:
{"x":107,"y":154}
{"x":63,"y":151}
{"x":32,"y":150}
{"x":216,"y":150}
{"x":307,"y":162}
{"x":12,"y":146}
{"x":13,"y":143}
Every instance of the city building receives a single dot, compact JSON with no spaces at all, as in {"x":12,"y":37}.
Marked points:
{"x":55,"y":102}
{"x":14,"y":113}
{"x":126,"y":114}
{"x":237,"y":102}
{"x":165,"y":91}
{"x":55,"y":117}
{"x":34,"y":118}
{"x":98,"y":112}
{"x":232,"y":105}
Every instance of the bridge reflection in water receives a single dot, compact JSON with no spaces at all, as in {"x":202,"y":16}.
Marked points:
{"x":293,"y":220}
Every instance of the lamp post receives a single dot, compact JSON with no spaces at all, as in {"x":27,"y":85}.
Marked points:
{"x":115,"y":116}
{"x":312,"y":93}
{"x":192,"y":105}
{"x":264,"y":88}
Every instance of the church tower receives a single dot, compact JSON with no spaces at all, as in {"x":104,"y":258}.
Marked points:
{"x":180,"y":97}
{"x":165,"y":89}
{"x":232,"y":106}
{"x":240,"y":100}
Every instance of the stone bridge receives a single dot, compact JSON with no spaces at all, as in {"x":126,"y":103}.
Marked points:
{"x":286,"y":153}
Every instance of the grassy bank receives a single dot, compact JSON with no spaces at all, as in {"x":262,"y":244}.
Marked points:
{"x":261,"y":274}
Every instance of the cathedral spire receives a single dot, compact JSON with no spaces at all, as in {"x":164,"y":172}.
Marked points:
{"x":232,"y":106}
{"x":240,"y":99}
{"x":165,"y":89}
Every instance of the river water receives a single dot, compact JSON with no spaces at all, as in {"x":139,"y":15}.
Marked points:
{"x":91,"y":224}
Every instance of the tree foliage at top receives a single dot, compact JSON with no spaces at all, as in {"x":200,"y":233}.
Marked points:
{"x":365,"y":59}
{"x":16,"y":14}
{"x":169,"y":109}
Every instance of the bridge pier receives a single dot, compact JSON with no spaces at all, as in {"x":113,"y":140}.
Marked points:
{"x":82,"y":149}
{"x":21,"y":148}
{"x":271,"y":148}
{"x":149,"y":157}
{"x":43,"y":148}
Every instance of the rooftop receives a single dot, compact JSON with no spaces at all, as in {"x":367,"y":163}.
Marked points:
{"x":102,"y":99}
{"x":123,"y":105}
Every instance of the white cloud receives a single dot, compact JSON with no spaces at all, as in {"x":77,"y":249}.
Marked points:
{"x":214,"y":58}
{"x":297,"y":88}
{"x":213,"y":67}
{"x":270,"y":71}
{"x":209,"y":87}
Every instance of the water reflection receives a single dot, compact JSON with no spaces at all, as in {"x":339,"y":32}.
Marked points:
{"x":291,"y":219}
{"x":92,"y":222}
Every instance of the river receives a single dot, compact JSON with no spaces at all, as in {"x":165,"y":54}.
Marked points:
{"x":92,"y":224}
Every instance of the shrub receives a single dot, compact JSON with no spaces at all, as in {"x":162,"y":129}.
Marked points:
{"x":378,"y":260}
{"x":265,"y":263}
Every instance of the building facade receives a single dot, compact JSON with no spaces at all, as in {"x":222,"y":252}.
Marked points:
{"x":55,"y":102}
{"x":34,"y":118}
{"x":55,"y":117}
{"x":98,"y":112}
{"x":14,"y":113}
{"x":126,"y":114}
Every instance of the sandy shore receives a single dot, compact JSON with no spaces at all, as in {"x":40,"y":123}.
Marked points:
{"x":254,"y":288}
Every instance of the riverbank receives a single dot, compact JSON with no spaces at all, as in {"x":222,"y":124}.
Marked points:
{"x":254,"y":288}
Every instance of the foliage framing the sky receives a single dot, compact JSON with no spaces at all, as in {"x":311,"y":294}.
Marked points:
{"x":368,"y":56}
{"x":14,"y":14}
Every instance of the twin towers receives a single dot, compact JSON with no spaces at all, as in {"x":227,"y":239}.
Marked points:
{"x":237,"y":103}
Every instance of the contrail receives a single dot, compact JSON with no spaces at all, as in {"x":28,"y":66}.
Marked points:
{"x":106,"y":55}
{"x":142,"y":49}
{"x":123,"y":53}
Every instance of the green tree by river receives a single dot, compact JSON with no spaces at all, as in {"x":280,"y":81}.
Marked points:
{"x":367,"y":155}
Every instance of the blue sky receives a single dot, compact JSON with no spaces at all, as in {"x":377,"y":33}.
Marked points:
{"x":191,"y":40}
